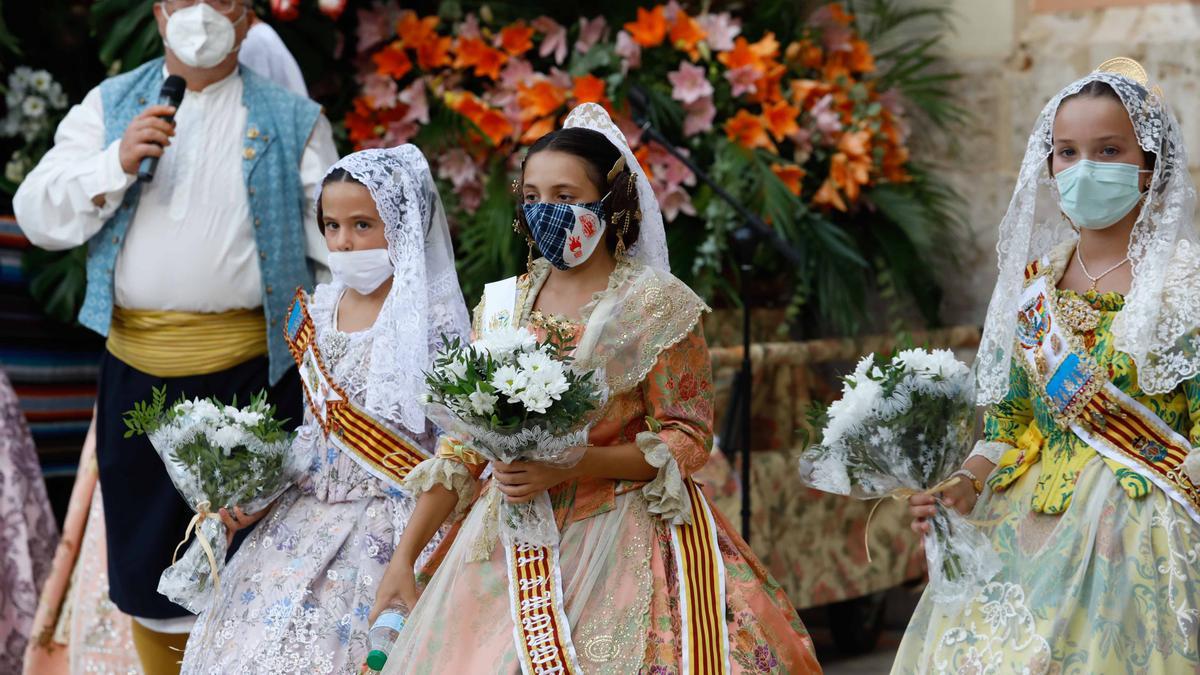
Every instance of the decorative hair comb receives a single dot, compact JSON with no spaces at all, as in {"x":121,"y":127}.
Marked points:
{"x":1129,"y":68}
{"x":616,"y":170}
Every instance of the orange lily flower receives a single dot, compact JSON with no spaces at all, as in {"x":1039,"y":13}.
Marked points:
{"x":740,"y":56}
{"x":538,"y":129}
{"x":805,"y":92}
{"x":494,"y":125}
{"x":766,"y":48}
{"x":516,"y":39}
{"x":849,"y":175}
{"x":769,"y":87}
{"x":434,"y":54}
{"x":589,"y":89}
{"x":781,"y":119}
{"x":828,"y":196}
{"x":839,"y":14}
{"x":467,"y":52}
{"x":856,"y":144}
{"x":466,"y":104}
{"x":477,"y":54}
{"x":540,"y":98}
{"x":860,"y":59}
{"x":804,"y":52}
{"x":642,"y":155}
{"x":686,"y":34}
{"x":748,"y":131}
{"x":790,"y":175}
{"x":392,"y":61}
{"x":360,"y":123}
{"x":650,"y":29}
{"x":491,"y":122}
{"x":414,"y":31}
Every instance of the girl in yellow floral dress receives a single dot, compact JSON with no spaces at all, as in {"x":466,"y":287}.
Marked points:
{"x":1088,"y":366}
{"x":647,"y":576}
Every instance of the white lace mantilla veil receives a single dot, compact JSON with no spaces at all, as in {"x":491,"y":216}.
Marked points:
{"x":651,"y":246}
{"x":425,"y":301}
{"x":1159,"y":326}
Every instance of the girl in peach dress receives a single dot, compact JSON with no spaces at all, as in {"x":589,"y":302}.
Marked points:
{"x":646,"y":576}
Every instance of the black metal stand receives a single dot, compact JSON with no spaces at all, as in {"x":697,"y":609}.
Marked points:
{"x":745,"y":239}
{"x":745,"y":243}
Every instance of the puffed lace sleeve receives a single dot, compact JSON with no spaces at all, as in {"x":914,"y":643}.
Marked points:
{"x":454,"y":467}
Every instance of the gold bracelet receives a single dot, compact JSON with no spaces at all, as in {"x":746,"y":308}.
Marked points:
{"x":976,"y":484}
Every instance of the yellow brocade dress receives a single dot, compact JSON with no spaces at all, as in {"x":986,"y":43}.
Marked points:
{"x":1101,"y":570}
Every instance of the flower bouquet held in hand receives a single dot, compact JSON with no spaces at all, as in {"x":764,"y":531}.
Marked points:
{"x":508,"y":397}
{"x":904,"y":426}
{"x":217,"y":456}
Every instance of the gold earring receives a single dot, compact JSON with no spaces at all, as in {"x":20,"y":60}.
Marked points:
{"x":622,"y":218}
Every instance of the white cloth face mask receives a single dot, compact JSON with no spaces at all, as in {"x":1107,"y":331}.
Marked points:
{"x":364,"y":271}
{"x":200,"y":36}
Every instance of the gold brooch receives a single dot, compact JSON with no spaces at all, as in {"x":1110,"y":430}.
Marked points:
{"x":1078,"y":314}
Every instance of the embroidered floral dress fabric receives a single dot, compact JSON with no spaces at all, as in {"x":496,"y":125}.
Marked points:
{"x":28,"y":532}
{"x":296,"y":596}
{"x":1100,"y":569}
{"x":618,"y":573}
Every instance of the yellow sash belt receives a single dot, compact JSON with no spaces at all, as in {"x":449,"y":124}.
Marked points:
{"x":179,"y":344}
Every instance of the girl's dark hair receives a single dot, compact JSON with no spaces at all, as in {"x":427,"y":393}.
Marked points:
{"x":335,"y":176}
{"x":621,"y":209}
{"x":1100,"y":89}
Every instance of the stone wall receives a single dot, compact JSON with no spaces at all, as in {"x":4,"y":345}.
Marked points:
{"x":1016,"y":54}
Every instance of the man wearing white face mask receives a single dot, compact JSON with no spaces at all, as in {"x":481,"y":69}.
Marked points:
{"x":189,"y":275}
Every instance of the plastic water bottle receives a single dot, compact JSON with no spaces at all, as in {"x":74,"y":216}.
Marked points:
{"x":383,"y":634}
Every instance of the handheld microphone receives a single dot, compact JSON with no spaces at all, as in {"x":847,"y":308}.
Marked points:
{"x":171,"y":94}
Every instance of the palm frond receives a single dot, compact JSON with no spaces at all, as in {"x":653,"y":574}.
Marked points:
{"x":127,"y":31}
{"x":906,"y":38}
{"x":488,"y":248}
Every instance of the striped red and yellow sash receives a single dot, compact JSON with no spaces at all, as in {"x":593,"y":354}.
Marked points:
{"x":1081,"y":398}
{"x":540,"y":627}
{"x":701,"y":590}
{"x":383,"y":450}
{"x":1122,"y":429}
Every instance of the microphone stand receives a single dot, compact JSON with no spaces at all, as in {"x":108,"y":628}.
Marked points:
{"x":746,"y":239}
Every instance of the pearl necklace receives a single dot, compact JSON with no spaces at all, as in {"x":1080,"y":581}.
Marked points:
{"x":1096,"y":279}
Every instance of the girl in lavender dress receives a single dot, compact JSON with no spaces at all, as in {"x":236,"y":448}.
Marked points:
{"x":297,"y":595}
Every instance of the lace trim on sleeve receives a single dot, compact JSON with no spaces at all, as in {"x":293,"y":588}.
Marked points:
{"x":992,"y":451}
{"x":666,"y":493}
{"x":448,"y":473}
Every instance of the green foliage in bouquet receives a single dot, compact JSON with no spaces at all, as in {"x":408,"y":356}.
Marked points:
{"x":923,"y":423}
{"x":236,"y":473}
{"x":496,"y":386}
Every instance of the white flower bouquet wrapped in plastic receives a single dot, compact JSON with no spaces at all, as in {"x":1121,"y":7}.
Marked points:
{"x":217,"y":456}
{"x":902,"y":427}
{"x":508,"y":397}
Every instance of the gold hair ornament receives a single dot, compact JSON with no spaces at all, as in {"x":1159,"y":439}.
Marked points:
{"x":1131,"y":69}
{"x":616,"y":169}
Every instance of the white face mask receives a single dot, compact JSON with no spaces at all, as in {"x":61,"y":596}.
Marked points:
{"x":200,"y":36}
{"x":364,"y":271}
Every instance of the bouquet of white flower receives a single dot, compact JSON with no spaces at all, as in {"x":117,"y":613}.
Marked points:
{"x":903,"y":426}
{"x":36,"y":104}
{"x":217,"y":456}
{"x":509,"y":397}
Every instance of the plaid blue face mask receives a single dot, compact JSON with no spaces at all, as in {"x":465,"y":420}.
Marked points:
{"x":566,"y":234}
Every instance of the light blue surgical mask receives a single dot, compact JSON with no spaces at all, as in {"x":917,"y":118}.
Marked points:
{"x":1095,"y":195}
